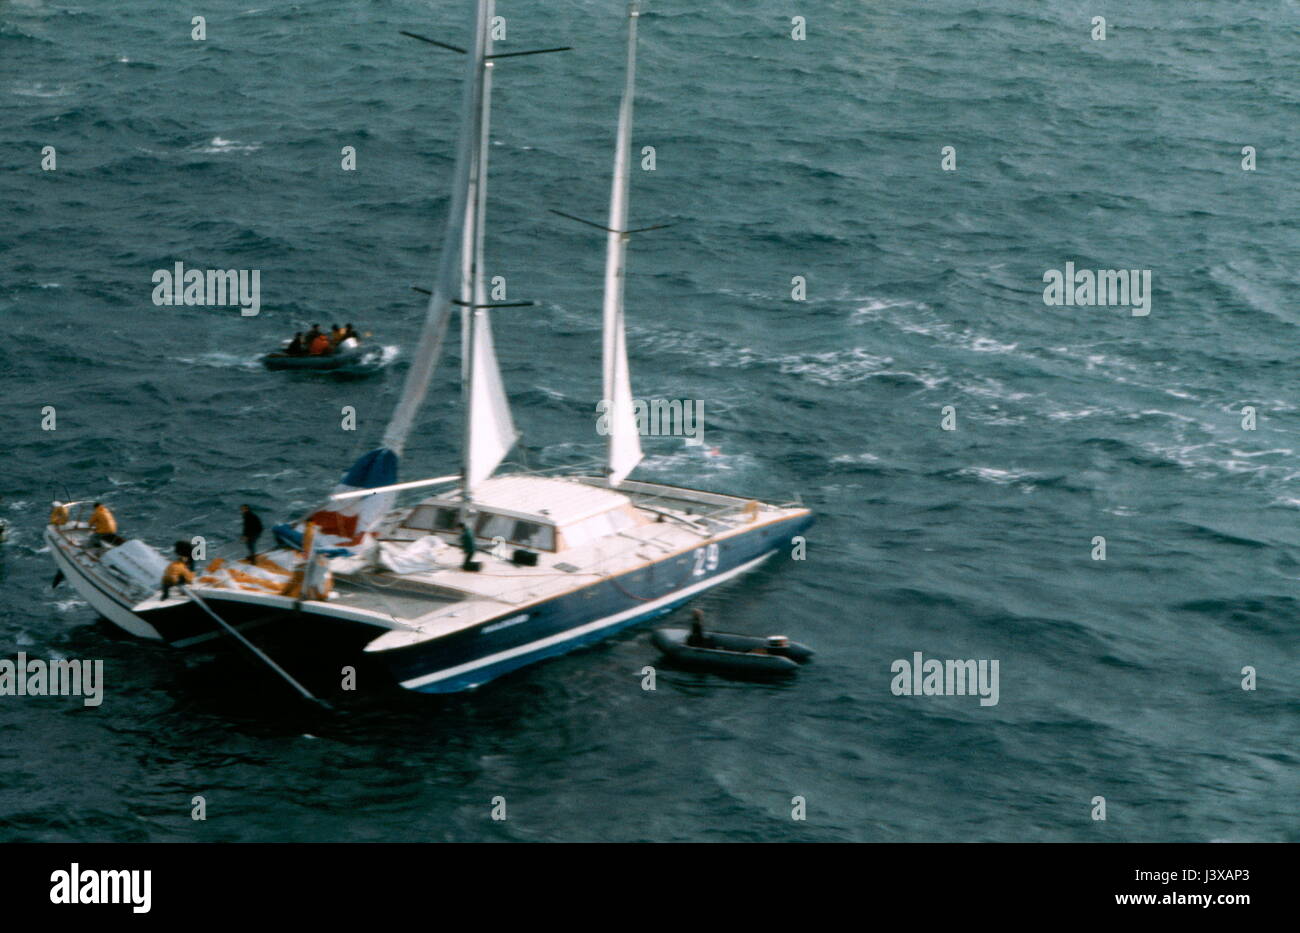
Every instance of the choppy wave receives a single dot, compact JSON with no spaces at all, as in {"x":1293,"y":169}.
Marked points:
{"x":924,"y":290}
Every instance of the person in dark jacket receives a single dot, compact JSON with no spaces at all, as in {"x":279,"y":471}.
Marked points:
{"x":467,"y":545}
{"x":698,"y":638}
{"x":252,"y":529}
{"x":185,"y":551}
{"x":297,"y":346}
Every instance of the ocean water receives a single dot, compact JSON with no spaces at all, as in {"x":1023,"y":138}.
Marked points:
{"x":775,"y":158}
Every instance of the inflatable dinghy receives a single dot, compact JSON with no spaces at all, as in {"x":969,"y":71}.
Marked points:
{"x":347,"y":357}
{"x":734,"y":654}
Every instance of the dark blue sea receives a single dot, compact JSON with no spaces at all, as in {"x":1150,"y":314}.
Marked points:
{"x":776,"y":158}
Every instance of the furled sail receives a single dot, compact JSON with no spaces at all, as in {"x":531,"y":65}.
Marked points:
{"x":624,"y":436}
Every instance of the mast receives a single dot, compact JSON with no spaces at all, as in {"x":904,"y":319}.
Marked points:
{"x":471,"y":257}
{"x":438,"y":313}
{"x":624,"y":436}
{"x":489,"y":430}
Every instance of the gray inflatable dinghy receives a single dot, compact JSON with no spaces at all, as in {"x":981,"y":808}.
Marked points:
{"x":344,"y":359}
{"x":735,"y":654}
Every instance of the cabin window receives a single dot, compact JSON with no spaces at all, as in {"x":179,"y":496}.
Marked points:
{"x":431,"y":518}
{"x":421,"y":518}
{"x":533,"y":535}
{"x":516,"y":531}
{"x":493,"y":526}
{"x":446,"y":520}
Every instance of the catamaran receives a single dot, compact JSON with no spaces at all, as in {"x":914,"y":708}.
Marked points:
{"x":566,"y":560}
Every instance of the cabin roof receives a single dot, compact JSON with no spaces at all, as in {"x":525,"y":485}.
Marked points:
{"x":546,"y":499}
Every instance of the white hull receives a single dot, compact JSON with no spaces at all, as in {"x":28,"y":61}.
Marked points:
{"x":96,"y":589}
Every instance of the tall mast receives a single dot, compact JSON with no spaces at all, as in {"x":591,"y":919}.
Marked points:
{"x":471,"y":253}
{"x":489,"y":430}
{"x":624,"y":437}
{"x":438,"y":314}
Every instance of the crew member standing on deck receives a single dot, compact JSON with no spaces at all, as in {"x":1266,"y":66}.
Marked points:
{"x":102,"y":524}
{"x":467,"y":545}
{"x":252,"y":529}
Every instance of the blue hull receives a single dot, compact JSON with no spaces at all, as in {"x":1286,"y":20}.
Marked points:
{"x":470,"y":658}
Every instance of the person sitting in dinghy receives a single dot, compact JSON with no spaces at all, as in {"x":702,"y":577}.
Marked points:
{"x":319,"y":346}
{"x":698,"y":638}
{"x":314,"y":340}
{"x":349,"y":340}
{"x":297,"y":346}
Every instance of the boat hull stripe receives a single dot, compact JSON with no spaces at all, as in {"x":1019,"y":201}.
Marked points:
{"x":580,"y":631}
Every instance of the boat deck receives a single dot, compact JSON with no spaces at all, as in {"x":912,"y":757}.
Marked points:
{"x":676,"y":522}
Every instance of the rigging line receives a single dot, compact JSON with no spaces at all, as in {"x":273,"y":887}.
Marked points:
{"x":252,"y":647}
{"x":441,"y":45}
{"x":562,"y":48}
{"x":618,"y":586}
{"x":592,"y":223}
{"x":589,"y":223}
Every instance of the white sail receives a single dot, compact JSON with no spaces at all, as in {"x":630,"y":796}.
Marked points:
{"x":624,"y":436}
{"x":493,"y":432}
{"x":489,"y":429}
{"x":445,"y":286}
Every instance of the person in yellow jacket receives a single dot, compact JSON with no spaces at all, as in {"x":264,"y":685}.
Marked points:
{"x":58,"y":515}
{"x":177,"y":572}
{"x":102,"y":523}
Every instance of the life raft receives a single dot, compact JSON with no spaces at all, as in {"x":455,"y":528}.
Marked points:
{"x":737,"y":654}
